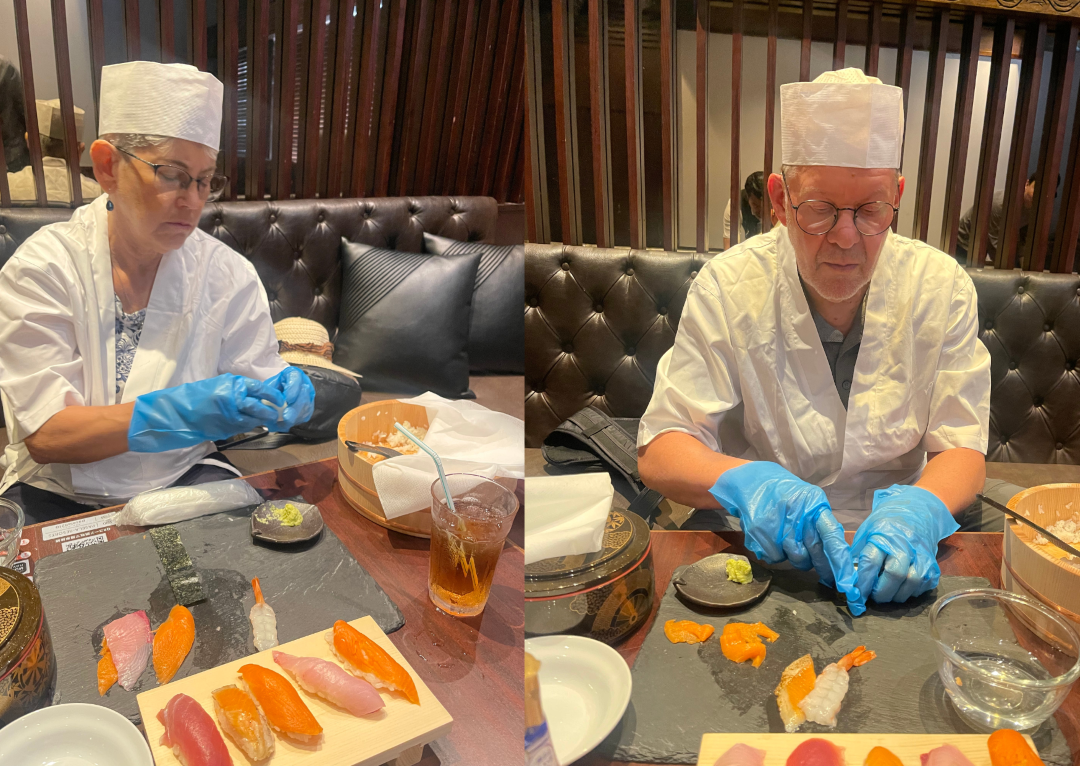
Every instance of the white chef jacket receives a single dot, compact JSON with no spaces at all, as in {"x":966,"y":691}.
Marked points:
{"x":208,"y":314}
{"x":748,"y":375}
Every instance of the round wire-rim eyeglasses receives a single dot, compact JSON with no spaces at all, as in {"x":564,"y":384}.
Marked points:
{"x":213,"y":186}
{"x":875,"y":228}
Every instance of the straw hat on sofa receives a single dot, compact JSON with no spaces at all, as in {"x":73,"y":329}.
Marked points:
{"x":303,"y":341}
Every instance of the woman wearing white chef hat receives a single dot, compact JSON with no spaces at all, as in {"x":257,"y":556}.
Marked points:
{"x":129,"y":339}
{"x":829,"y":364}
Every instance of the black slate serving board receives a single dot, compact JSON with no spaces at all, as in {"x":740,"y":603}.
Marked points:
{"x":681,"y":691}
{"x":309,"y":585}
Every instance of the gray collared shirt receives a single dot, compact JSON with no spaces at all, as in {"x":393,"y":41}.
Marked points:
{"x":841,"y":350}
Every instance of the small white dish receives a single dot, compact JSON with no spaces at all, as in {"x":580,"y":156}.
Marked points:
{"x":584,"y":688}
{"x":74,"y":734}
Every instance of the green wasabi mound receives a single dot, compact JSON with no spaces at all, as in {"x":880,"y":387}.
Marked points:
{"x":739,"y":571}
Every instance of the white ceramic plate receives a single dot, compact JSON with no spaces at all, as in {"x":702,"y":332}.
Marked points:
{"x":584,"y":688}
{"x":75,"y":734}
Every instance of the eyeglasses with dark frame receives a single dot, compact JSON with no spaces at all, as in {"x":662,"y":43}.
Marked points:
{"x":170,"y":178}
{"x":818,"y":217}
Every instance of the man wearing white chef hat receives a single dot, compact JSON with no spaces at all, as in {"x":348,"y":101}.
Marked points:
{"x":829,"y":364}
{"x":22,"y":185}
{"x":129,"y":339}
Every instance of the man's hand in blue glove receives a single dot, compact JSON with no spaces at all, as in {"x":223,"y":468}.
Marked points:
{"x":896,"y":546}
{"x":205,"y":410}
{"x":299,"y":393}
{"x":784,"y":517}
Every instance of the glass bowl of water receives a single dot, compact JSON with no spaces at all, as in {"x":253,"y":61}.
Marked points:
{"x":1006,"y":660}
{"x":11,"y":526}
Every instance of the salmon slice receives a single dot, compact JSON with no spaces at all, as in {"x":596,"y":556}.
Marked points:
{"x":106,"y":670}
{"x":686,"y":631}
{"x":741,"y":641}
{"x":365,"y":659}
{"x":796,"y":682}
{"x":172,"y":642}
{"x":879,"y":756}
{"x":280,"y":703}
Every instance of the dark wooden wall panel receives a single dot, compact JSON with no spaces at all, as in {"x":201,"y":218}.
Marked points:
{"x":26,"y":68}
{"x":807,"y":39}
{"x":736,"y":118}
{"x":701,"y":65}
{"x":1062,"y":71}
{"x":770,"y":109}
{"x":873,"y":39}
{"x":67,"y":110}
{"x":635,"y":159}
{"x":965,"y":101}
{"x":669,"y":124}
{"x":840,"y":34}
{"x":931,"y":112}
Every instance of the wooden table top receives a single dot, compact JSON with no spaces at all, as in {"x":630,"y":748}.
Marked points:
{"x":474,"y":666}
{"x":969,"y":554}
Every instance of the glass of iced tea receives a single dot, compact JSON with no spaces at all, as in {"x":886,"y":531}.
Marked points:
{"x":466,"y":542}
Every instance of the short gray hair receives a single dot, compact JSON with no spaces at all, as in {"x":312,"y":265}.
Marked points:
{"x":130,"y":142}
{"x":792,"y":171}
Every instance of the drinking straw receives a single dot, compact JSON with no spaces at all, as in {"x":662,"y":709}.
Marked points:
{"x":438,"y":463}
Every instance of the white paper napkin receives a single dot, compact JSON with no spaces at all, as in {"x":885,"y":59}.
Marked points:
{"x":468,"y":439}
{"x":566,"y":515}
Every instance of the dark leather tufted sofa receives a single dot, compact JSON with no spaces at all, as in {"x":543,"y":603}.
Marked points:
{"x":598,"y":320}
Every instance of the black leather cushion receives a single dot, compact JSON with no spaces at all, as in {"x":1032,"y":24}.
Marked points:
{"x":497,"y":329}
{"x":405,"y":319}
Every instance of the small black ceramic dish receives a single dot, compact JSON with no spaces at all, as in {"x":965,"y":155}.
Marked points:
{"x":274,"y":521}
{"x":705,"y":582}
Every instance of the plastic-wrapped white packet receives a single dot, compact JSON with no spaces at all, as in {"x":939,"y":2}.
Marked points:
{"x":167,"y":506}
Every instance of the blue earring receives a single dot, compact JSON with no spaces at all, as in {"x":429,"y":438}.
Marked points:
{"x":109,"y":205}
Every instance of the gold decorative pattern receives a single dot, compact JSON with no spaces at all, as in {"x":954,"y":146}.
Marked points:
{"x":10,"y":609}
{"x":1049,"y":7}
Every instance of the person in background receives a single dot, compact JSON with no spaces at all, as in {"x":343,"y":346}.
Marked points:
{"x":997,"y":220}
{"x":751,"y":202}
{"x":13,"y":117}
{"x":130,"y":340}
{"x":54,"y":160}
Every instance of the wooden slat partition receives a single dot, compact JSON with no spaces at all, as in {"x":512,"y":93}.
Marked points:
{"x":734,"y":200}
{"x":600,"y":130}
{"x":669,"y":122}
{"x":770,"y":109}
{"x":133,"y":34}
{"x":840,"y":35}
{"x":468,"y":37}
{"x":198,"y":34}
{"x":366,"y":133}
{"x":991,"y":140}
{"x":515,"y":124}
{"x":388,"y":109}
{"x":26,"y":68}
{"x":1062,"y":71}
{"x":536,"y":200}
{"x":315,"y":71}
{"x":961,"y":130}
{"x":497,"y":95}
{"x":562,"y":32}
{"x":905,"y":53}
{"x":1027,"y":103}
{"x":939,"y":44}
{"x":491,"y":21}
{"x":258,"y":28}
{"x":435,"y":98}
{"x":167,"y":31}
{"x":5,"y":192}
{"x":635,"y":149}
{"x":287,"y":77}
{"x":229,"y":55}
{"x":414,"y":94}
{"x":67,"y":102}
{"x":340,"y":125}
{"x":873,"y":38}
{"x":95,"y":19}
{"x":701,"y":64}
{"x":1068,"y":226}
{"x":807,"y":39}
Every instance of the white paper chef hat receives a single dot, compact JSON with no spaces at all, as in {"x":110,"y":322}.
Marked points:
{"x":51,"y":123}
{"x":174,"y":100}
{"x":842,"y":118}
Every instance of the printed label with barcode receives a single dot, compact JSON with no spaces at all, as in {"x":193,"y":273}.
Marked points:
{"x":84,"y":542}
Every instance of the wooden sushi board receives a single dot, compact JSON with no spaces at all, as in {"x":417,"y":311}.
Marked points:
{"x":906,"y":747}
{"x":347,"y":740}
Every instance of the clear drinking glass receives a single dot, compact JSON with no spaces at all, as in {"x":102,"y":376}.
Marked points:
{"x":11,"y":526}
{"x":1006,"y":660}
{"x":466,"y":542}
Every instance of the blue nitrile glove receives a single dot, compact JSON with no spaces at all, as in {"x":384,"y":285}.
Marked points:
{"x":784,"y":517}
{"x":299,"y":393}
{"x":896,"y":545}
{"x":206,"y":410}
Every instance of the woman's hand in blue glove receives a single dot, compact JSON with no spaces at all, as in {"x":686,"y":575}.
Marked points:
{"x":896,"y":546}
{"x":786,"y":518}
{"x":204,"y":410}
{"x":299,"y":394}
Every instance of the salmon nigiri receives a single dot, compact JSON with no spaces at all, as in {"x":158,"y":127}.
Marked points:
{"x":190,"y":732}
{"x":327,"y":680}
{"x":365,"y":659}
{"x":129,"y":646}
{"x":242,"y":721}
{"x":1009,"y":748}
{"x":280,"y":703}
{"x":879,"y":756}
{"x":172,"y":642}
{"x":106,"y":670}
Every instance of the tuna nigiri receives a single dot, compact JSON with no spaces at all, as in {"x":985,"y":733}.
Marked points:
{"x":823,"y":702}
{"x":263,"y":621}
{"x":129,"y":644}
{"x":172,"y":642}
{"x":816,"y":752}
{"x":191,"y":733}
{"x":243,"y":722}
{"x":329,"y":681}
{"x":946,"y":755}
{"x":106,"y":670}
{"x":741,"y":755}
{"x":280,"y":703}
{"x":365,"y":659}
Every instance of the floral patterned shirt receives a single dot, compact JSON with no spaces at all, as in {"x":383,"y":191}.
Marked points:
{"x":129,"y":329}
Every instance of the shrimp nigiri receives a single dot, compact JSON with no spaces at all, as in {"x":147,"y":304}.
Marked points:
{"x":190,"y":732}
{"x":263,"y":620}
{"x":823,"y":702}
{"x":365,"y":659}
{"x":327,"y":680}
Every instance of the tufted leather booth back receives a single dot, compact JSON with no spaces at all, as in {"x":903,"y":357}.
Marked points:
{"x":294,"y":244}
{"x":598,"y":320}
